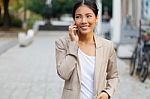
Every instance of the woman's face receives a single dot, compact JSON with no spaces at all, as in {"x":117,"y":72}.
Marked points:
{"x":85,"y":19}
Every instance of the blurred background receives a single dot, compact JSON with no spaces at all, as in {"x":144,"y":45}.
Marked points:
{"x":29,"y":28}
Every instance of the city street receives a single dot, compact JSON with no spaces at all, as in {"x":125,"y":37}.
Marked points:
{"x":30,"y":72}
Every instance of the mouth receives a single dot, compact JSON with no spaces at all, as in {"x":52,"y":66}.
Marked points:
{"x":84,"y":27}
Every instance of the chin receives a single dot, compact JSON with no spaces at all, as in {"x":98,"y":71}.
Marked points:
{"x":84,"y":31}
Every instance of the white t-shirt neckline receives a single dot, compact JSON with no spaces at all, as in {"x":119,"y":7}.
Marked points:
{"x":87,"y":64}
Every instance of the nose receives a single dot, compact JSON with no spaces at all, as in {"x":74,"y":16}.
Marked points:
{"x":84,"y":20}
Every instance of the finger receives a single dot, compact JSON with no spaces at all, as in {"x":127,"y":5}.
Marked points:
{"x":72,"y":27}
{"x":72,"y":30}
{"x":99,"y":96}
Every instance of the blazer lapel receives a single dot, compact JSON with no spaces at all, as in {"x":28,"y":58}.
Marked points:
{"x":78,"y":64}
{"x":99,"y":62}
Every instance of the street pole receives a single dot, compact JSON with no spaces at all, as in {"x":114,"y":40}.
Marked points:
{"x":98,"y":27}
{"x":48,"y":2}
{"x":116,"y":25}
{"x":24,"y":20}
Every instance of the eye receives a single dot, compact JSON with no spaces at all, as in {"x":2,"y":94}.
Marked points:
{"x":89,"y":16}
{"x":77,"y":17}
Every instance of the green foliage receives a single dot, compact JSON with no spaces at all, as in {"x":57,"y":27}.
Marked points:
{"x":107,"y":3}
{"x":60,"y":7}
{"x":16,"y":5}
{"x":15,"y":22}
{"x":39,"y":7}
{"x":32,"y":19}
{"x":1,"y":21}
{"x":147,"y":31}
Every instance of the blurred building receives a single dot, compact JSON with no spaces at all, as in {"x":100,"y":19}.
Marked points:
{"x":145,"y":9}
{"x":48,"y":2}
{"x":132,"y":11}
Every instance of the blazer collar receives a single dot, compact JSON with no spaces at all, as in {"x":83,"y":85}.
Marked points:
{"x":98,"y":41}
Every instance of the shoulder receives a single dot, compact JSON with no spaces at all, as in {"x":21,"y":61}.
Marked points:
{"x":107,"y":45}
{"x":62,"y":40}
{"x":104,"y":42}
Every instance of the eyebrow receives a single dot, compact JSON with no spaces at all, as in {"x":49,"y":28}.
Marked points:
{"x":86,"y":14}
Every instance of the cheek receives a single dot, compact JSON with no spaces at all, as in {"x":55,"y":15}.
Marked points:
{"x":93,"y":23}
{"x":77,"y":23}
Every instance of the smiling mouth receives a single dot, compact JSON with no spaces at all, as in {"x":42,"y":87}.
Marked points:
{"x":84,"y":27}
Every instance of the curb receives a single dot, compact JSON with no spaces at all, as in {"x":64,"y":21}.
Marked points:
{"x":7,"y":46}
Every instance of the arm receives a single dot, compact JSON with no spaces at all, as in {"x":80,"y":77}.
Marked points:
{"x":65,"y":58}
{"x":112,"y":73}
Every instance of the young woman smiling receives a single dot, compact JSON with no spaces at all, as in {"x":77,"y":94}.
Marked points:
{"x":85,"y":61}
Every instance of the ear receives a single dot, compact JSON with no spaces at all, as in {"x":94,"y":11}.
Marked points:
{"x":97,"y":18}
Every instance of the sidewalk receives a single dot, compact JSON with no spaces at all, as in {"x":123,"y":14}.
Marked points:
{"x":128,"y":40}
{"x":7,"y":40}
{"x":130,"y":87}
{"x":30,"y":73}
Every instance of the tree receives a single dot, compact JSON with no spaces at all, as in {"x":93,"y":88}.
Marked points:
{"x":6,"y":17}
{"x":16,"y":5}
{"x":60,"y":7}
{"x":39,"y":7}
{"x":108,"y":4}
{"x":0,"y":11}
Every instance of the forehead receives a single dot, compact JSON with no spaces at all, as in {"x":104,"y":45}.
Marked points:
{"x":83,"y":9}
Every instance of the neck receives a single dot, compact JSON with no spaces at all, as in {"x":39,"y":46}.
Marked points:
{"x":86,"y":38}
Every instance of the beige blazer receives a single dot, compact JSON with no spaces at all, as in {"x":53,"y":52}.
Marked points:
{"x":68,"y":68}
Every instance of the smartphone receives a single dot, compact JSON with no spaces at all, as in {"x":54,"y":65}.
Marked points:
{"x":77,"y":31}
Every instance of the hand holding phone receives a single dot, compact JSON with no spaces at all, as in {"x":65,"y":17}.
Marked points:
{"x":73,"y":32}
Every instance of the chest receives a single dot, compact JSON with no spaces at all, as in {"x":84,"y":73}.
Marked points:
{"x":88,"y":49}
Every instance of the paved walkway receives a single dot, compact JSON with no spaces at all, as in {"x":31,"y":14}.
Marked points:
{"x":7,"y":40}
{"x":130,"y":87}
{"x":30,"y":73}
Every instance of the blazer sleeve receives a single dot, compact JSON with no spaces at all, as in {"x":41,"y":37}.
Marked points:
{"x":65,"y":58}
{"x":112,"y":73}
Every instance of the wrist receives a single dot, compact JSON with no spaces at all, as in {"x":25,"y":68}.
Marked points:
{"x":106,"y":94}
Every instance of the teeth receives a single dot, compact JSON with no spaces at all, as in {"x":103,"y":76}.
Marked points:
{"x":84,"y":26}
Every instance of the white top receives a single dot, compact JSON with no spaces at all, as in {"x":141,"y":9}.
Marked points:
{"x":87,"y":64}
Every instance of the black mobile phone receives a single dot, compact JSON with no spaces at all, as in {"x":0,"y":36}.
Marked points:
{"x":77,"y":31}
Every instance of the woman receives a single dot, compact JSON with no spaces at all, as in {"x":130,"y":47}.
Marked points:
{"x":85,"y":61}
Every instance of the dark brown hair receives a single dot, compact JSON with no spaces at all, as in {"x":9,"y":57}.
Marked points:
{"x":90,"y":4}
